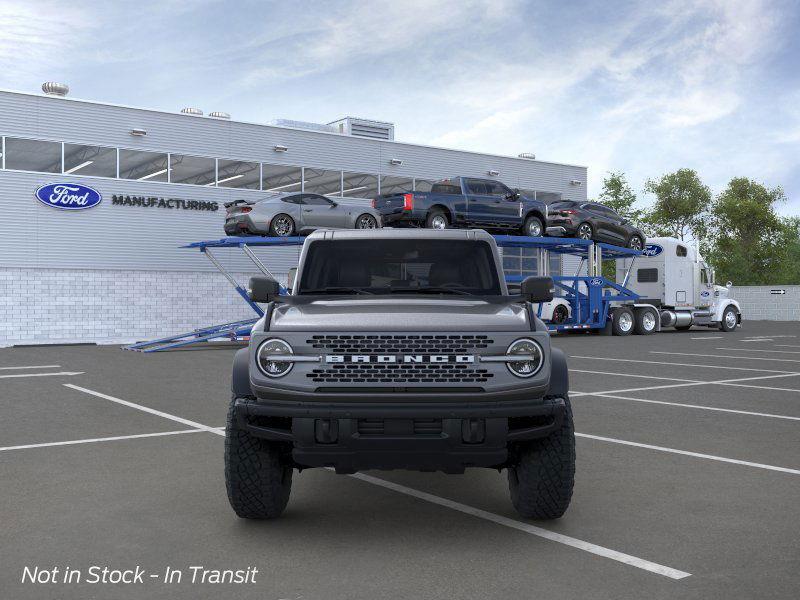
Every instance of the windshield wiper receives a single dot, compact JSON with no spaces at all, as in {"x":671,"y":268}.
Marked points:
{"x":431,"y":290}
{"x":337,"y":290}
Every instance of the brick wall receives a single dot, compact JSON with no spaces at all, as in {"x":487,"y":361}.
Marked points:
{"x":47,"y":306}
{"x":758,"y":303}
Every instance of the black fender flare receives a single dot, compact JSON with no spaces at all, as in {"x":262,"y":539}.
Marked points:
{"x":240,"y":381}
{"x":559,"y":374}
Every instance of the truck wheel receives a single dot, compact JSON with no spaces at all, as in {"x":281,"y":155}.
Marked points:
{"x":533,"y":227}
{"x":257,"y":480}
{"x":436,"y":219}
{"x":541,"y":481}
{"x":645,"y":323}
{"x":729,"y":319}
{"x":622,"y":322}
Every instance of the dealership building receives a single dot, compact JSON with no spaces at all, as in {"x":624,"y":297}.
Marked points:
{"x":117,"y":272}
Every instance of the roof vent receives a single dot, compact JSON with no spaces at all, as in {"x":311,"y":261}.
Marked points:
{"x":377,"y":130}
{"x":219,"y":115}
{"x":192,"y":111}
{"x":527,"y":155}
{"x":51,"y":88}
{"x":303,"y":125}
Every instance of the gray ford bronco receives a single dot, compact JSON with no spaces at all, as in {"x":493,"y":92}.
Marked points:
{"x":400,"y":349}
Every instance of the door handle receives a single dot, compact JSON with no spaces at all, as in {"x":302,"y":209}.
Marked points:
{"x":307,"y":210}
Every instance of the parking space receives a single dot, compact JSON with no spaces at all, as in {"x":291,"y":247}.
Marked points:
{"x":688,"y":474}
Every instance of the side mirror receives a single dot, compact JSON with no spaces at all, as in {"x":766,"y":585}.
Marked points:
{"x":291,"y":277}
{"x":263,"y":289}
{"x":334,"y":204}
{"x":538,"y":289}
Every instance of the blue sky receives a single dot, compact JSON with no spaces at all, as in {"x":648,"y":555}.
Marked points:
{"x":641,"y":87}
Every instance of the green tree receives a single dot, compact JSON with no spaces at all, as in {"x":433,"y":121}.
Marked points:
{"x":618,"y":195}
{"x":749,"y":243}
{"x":681,"y":205}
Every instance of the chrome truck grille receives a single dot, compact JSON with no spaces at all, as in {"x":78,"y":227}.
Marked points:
{"x":399,"y":372}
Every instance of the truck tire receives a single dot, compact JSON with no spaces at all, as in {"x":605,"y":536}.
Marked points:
{"x":622,"y":322}
{"x":533,"y":227}
{"x":542,"y":479}
{"x":437,"y":219}
{"x":257,"y":480}
{"x":645,"y":321}
{"x":729,"y":319}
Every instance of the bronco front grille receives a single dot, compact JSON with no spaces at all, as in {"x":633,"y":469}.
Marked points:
{"x":399,"y":373}
{"x":399,"y":344}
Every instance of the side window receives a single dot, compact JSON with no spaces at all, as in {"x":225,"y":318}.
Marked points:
{"x":292,"y":200}
{"x":681,"y":250}
{"x":315,"y":200}
{"x":495,"y":188}
{"x":647,"y":275}
{"x":476,"y":186}
{"x":704,"y":276}
{"x":445,"y":188}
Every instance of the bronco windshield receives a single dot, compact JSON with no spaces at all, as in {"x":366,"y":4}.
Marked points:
{"x":400,"y":266}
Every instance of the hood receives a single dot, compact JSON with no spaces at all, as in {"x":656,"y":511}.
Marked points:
{"x":720,"y":291}
{"x":400,"y":314}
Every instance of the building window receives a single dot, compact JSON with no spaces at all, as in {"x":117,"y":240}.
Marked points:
{"x":143,"y":166}
{"x":423,"y":185}
{"x":194,"y":170}
{"x":280,"y":178}
{"x":237,"y":174}
{"x":396,"y":185}
{"x":320,"y":181}
{"x":33,"y":155}
{"x":359,"y":185}
{"x":96,"y":161}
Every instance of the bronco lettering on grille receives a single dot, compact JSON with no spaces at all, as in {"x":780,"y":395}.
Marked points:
{"x":395,"y":358}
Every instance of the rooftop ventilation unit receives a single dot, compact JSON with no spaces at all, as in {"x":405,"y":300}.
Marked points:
{"x":303,"y":125}
{"x":219,"y":115}
{"x":51,"y":88}
{"x":192,"y":111}
{"x":527,"y":155}
{"x":376,"y":130}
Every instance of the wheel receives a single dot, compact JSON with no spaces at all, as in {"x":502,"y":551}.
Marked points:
{"x":622,"y":323}
{"x":542,"y":477}
{"x":366,"y":221}
{"x":436,"y":219}
{"x":282,"y":226}
{"x":560,"y":314}
{"x":256,"y":477}
{"x":584,"y":231}
{"x":635,"y":243}
{"x":533,"y":227}
{"x":645,"y":321}
{"x":729,"y":319}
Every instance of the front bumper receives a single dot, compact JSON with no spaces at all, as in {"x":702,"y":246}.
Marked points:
{"x":430,"y":437}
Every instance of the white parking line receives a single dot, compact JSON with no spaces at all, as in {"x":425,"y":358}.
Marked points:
{"x":759,"y":350}
{"x":708,"y":337}
{"x":627,"y":559}
{"x":793,"y":360}
{"x":64,"y":373}
{"x":103,"y":439}
{"x":682,"y":405}
{"x":31,"y":367}
{"x":617,"y":374}
{"x":656,"y":362}
{"x":687,"y":453}
{"x":787,"y":346}
{"x":147,"y":409}
{"x":733,"y":382}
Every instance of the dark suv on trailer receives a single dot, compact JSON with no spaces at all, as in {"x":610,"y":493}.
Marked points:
{"x":593,"y":221}
{"x":400,"y":349}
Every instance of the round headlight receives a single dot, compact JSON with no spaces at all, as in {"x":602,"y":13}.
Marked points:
{"x":266,"y":361}
{"x":533,"y":358}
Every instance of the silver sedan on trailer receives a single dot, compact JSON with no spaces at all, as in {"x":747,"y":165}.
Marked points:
{"x":286,"y":214}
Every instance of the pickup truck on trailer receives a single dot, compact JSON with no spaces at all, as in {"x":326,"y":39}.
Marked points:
{"x":465,"y":202}
{"x":400,"y":349}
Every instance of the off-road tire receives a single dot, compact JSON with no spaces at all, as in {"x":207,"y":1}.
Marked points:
{"x":619,"y":324}
{"x":530,"y":223}
{"x":257,"y":479}
{"x":641,"y":325}
{"x":543,"y":476}
{"x":434,"y":215}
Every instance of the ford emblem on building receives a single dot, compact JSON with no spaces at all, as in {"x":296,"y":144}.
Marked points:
{"x":68,"y":196}
{"x":652,"y":250}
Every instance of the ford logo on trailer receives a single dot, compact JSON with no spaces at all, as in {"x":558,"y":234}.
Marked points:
{"x":652,"y":250}
{"x":68,"y":196}
{"x":596,"y":282}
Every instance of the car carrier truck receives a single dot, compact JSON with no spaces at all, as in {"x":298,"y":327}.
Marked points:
{"x":671,"y":277}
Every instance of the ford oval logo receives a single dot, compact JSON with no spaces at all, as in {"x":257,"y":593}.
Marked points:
{"x":652,"y":250}
{"x":596,"y":281}
{"x":705,"y":294}
{"x":68,"y":196}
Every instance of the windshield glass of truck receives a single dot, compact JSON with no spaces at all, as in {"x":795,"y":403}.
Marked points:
{"x":400,"y":266}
